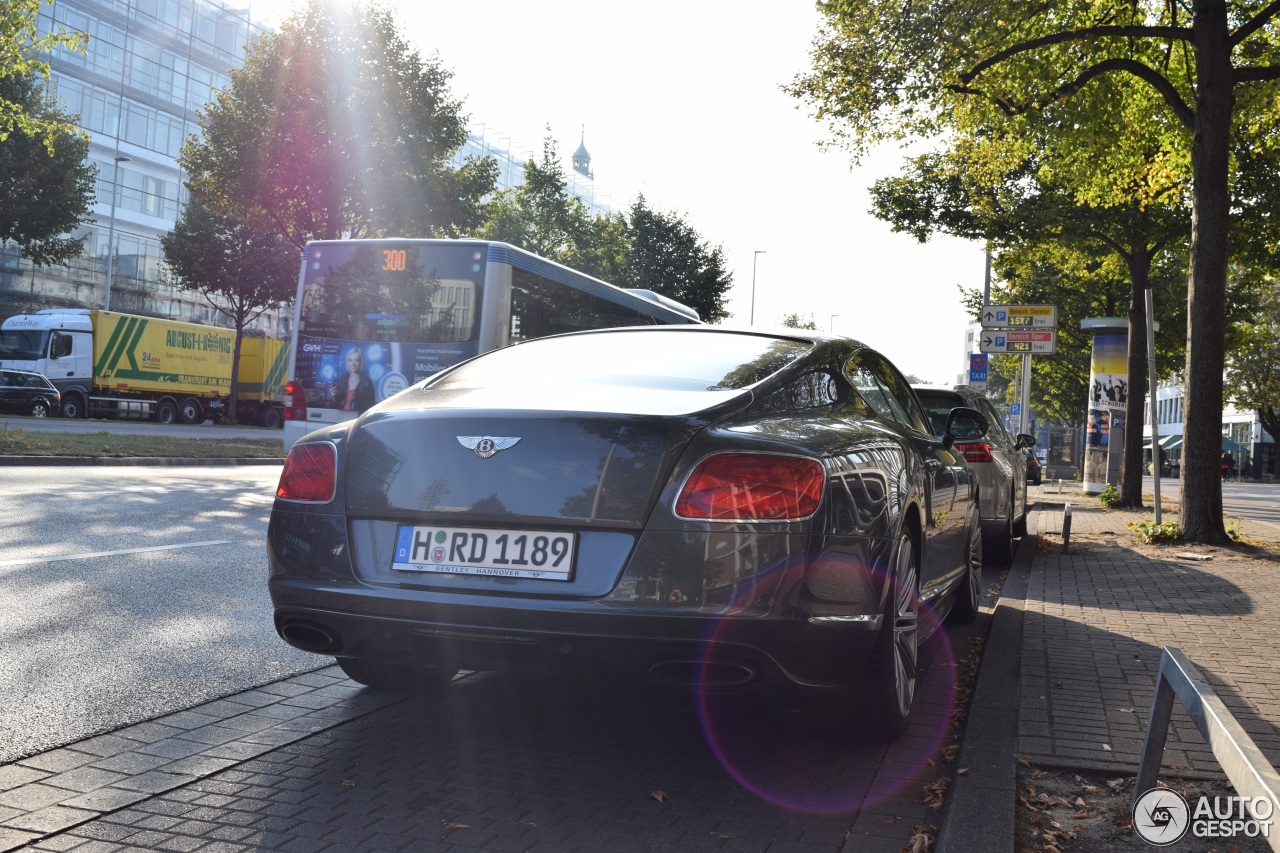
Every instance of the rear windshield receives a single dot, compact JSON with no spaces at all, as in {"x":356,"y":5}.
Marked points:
{"x":938,"y":404}
{"x":679,"y":360}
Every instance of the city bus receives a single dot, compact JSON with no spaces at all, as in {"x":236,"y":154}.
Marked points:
{"x":373,"y":317}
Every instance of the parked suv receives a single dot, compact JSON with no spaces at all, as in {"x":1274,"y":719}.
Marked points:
{"x":999,"y":460}
{"x":24,"y":393}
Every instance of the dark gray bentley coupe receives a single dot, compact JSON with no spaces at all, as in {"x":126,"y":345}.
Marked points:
{"x":727,"y":510}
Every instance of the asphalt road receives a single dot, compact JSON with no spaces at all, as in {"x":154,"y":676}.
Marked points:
{"x":132,"y":593}
{"x":128,"y":593}
{"x":1258,"y":501}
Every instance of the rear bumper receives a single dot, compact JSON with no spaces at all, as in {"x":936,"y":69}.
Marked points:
{"x":761,"y":654}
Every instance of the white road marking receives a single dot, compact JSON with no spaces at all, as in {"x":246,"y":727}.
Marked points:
{"x":28,"y":560}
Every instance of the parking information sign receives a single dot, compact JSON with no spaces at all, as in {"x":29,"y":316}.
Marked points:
{"x":978,"y":371}
{"x":1019,"y":316}
{"x":1030,"y":343}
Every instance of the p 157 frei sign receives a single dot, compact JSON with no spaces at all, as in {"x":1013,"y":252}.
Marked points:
{"x":1019,"y":316}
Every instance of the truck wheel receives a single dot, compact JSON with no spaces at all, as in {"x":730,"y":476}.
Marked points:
{"x":72,"y":406}
{"x":190,"y":411}
{"x":270,"y":418}
{"x":166,"y":412}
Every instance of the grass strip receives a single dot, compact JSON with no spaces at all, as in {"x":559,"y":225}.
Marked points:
{"x":18,"y":442}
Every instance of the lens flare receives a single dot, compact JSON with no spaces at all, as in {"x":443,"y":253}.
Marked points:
{"x":803,"y":755}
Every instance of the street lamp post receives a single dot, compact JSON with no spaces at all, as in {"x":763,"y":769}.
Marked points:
{"x":111,"y":230}
{"x":757,"y":254}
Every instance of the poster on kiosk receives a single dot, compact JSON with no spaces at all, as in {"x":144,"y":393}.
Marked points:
{"x":1108,"y":395}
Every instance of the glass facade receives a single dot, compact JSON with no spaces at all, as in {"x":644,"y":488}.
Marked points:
{"x":149,"y":66}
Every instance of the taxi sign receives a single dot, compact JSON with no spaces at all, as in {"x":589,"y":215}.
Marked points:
{"x":1009,"y":341}
{"x":1019,"y":317}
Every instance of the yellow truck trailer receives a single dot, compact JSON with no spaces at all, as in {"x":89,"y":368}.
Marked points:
{"x":264,"y":364}
{"x":107,"y":364}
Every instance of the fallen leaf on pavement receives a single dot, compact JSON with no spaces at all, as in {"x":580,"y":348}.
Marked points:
{"x":457,"y":826}
{"x":660,"y":796}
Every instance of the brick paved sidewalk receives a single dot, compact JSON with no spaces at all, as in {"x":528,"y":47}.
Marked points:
{"x":1097,"y":617}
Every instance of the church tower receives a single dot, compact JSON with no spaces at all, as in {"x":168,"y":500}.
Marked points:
{"x":581,"y":159}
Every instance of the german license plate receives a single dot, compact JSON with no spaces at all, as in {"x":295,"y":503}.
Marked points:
{"x":474,"y":551}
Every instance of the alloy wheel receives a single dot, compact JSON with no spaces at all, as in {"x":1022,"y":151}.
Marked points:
{"x":906,"y":626}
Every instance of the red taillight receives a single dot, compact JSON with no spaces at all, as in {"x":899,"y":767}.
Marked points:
{"x":975,"y":451}
{"x":295,"y":402}
{"x":752,"y":487}
{"x":310,"y":474}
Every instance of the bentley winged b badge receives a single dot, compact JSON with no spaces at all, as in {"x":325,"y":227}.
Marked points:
{"x":486,"y":445}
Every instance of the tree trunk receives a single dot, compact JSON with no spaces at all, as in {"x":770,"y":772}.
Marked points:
{"x":1131,"y":461}
{"x":1201,"y":497}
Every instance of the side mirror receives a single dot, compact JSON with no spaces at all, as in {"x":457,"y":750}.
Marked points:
{"x":1025,"y":441}
{"x":964,"y":424}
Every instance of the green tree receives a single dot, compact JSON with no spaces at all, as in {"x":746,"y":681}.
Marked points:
{"x":887,"y":69}
{"x":46,"y":182}
{"x":21,"y":50}
{"x":1026,"y":206}
{"x":542,"y":216}
{"x":334,"y":127}
{"x":241,"y":270}
{"x":795,"y":321}
{"x":668,"y":256}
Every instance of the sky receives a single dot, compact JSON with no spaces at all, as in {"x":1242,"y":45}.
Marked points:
{"x":681,"y":101}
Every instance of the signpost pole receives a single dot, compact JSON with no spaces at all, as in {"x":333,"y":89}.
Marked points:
{"x":1156,"y":450}
{"x":1024,"y":422}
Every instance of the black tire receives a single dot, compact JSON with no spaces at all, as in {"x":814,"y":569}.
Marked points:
{"x":190,"y":411}
{"x":270,"y":418}
{"x":999,"y":548}
{"x":969,"y":592}
{"x":889,"y":681}
{"x":73,"y":406}
{"x":166,"y":412}
{"x":396,"y":678}
{"x":39,"y":409}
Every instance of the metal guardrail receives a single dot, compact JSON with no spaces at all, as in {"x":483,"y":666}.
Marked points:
{"x":1246,"y":767}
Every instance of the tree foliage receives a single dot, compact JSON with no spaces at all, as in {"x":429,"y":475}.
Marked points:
{"x":334,"y":127}
{"x":21,"y":50}
{"x":644,"y":248}
{"x":795,"y":321}
{"x":46,"y":182}
{"x":542,"y":216}
{"x":891,"y":69}
{"x":668,"y":256}
{"x":1043,"y":216}
{"x":242,"y":270}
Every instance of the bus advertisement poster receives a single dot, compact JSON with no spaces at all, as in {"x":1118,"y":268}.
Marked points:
{"x":354,"y":375}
